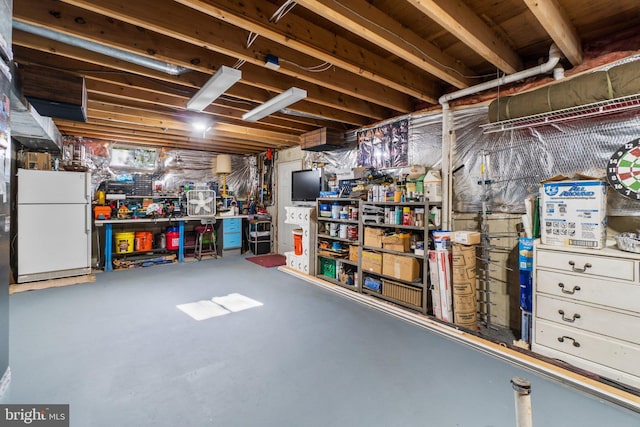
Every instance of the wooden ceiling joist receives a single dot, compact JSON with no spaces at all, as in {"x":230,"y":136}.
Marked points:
{"x":358,"y":17}
{"x":554,"y":20}
{"x":462,"y":22}
{"x":347,"y":109}
{"x":172,"y":19}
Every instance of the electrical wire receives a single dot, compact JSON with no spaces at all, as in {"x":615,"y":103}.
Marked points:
{"x":425,"y":55}
{"x":282,"y":10}
{"x":251,"y":38}
{"x":239,"y":63}
{"x":277,"y":15}
{"x":314,"y":69}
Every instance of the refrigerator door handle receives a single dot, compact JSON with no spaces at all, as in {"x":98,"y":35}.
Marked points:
{"x":87,"y":220}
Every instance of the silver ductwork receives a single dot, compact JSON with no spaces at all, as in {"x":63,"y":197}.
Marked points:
{"x":112,"y":52}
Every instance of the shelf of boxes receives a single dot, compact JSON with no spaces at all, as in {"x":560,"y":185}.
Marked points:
{"x":393,"y":262}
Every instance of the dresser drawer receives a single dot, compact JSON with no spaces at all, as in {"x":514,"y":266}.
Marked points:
{"x":625,"y":296}
{"x":593,"y":319}
{"x":587,"y":265}
{"x":232,"y":240}
{"x":232,"y":225}
{"x":609,"y":352}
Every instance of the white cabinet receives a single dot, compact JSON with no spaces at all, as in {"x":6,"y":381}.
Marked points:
{"x":586,"y":310}
{"x":305,"y":218}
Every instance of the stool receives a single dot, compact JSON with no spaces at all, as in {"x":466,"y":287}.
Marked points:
{"x":202,"y":231}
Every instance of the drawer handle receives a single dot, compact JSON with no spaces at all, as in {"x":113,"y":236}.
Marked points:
{"x":566,"y":319}
{"x":571,"y":292}
{"x":579,"y":270}
{"x":564,"y":337}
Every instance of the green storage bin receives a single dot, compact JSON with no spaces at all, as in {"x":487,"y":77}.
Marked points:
{"x":328,"y":267}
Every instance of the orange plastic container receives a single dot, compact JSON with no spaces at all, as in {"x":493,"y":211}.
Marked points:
{"x":297,"y":241}
{"x":102,"y":212}
{"x":143,"y":241}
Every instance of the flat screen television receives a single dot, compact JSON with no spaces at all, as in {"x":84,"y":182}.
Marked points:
{"x":306,"y":185}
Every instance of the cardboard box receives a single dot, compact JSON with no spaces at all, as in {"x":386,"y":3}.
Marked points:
{"x":400,"y":267}
{"x":466,"y":237}
{"x":372,"y":261}
{"x":353,"y":253}
{"x":373,"y":237}
{"x":574,"y":213}
{"x":400,"y":242}
{"x":39,"y":161}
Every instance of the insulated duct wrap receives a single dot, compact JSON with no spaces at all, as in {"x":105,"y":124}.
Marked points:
{"x":616,"y":82}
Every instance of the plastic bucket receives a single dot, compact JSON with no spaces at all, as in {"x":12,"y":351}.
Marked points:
{"x":124,"y":242}
{"x":297,"y":241}
{"x":143,"y":241}
{"x":173,"y":240}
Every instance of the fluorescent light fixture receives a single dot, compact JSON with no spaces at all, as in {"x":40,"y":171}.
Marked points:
{"x":222,"y":80}
{"x":277,"y":103}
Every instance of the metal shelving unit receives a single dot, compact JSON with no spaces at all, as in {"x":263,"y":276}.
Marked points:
{"x":335,"y":237}
{"x":407,"y":293}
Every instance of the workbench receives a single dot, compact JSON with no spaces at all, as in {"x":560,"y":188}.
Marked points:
{"x":232,"y":241}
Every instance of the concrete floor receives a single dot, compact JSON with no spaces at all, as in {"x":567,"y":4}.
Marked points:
{"x":121,"y":354}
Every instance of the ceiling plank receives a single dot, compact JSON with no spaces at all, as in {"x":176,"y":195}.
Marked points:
{"x":556,"y":23}
{"x":361,"y":18}
{"x":165,"y":119}
{"x":140,"y":130}
{"x":174,"y":20}
{"x":458,"y":19}
{"x":153,"y":139}
{"x":305,"y":36}
{"x":258,"y":77}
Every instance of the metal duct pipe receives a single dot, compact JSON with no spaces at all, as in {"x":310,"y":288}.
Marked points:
{"x":112,"y":52}
{"x":448,"y":130}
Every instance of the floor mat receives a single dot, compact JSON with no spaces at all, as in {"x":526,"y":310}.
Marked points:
{"x":202,"y":310}
{"x":236,"y":302}
{"x":271,"y":260}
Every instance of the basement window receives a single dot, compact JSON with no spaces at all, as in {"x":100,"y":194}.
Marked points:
{"x":133,"y":158}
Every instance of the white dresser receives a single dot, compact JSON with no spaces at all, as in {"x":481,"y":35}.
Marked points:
{"x":305,"y":218}
{"x":587,"y":309}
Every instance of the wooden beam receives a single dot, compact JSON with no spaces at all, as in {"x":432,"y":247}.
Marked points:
{"x":174,"y":20}
{"x":389,"y":34}
{"x":458,"y":19}
{"x":172,"y":134}
{"x":348,"y":109}
{"x":213,"y":145}
{"x":164,"y":119}
{"x":304,"y":36}
{"x":556,"y":23}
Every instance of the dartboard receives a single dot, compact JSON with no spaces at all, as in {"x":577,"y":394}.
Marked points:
{"x":623,"y":172}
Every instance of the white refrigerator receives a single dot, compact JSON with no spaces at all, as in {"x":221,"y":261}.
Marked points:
{"x":54,"y":224}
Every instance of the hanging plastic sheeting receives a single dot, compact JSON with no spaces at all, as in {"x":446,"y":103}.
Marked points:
{"x":334,"y":160}
{"x":243,"y":179}
{"x":178,"y":168}
{"x":174,"y":168}
{"x":425,"y":140}
{"x":519,"y":159}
